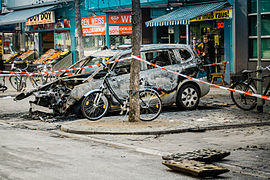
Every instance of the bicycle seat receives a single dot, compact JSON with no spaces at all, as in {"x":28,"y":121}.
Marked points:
{"x":247,"y":71}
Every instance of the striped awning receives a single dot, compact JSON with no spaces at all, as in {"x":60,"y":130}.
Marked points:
{"x":22,"y":15}
{"x":183,"y":15}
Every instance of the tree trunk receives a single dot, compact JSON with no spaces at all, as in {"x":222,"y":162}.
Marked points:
{"x":134,"y":106}
{"x":79,"y":28}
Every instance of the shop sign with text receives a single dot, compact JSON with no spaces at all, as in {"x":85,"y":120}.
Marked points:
{"x":90,"y":21}
{"x":94,"y":31}
{"x":120,"y":30}
{"x":120,"y":19}
{"x":44,"y":18}
{"x":222,"y":14}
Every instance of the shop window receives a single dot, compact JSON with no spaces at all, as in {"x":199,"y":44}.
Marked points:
{"x":62,"y":40}
{"x":119,"y":40}
{"x":93,"y":42}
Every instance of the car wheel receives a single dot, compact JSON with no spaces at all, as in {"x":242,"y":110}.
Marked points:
{"x":188,"y":97}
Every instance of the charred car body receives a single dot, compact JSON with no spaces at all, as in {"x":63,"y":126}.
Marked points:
{"x":65,"y":94}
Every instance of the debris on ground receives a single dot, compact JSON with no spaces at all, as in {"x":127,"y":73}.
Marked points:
{"x":195,"y":168}
{"x":204,"y":155}
{"x":194,"y":162}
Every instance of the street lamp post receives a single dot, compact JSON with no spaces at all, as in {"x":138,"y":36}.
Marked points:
{"x":259,"y":53}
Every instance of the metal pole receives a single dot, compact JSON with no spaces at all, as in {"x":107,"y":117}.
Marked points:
{"x":259,"y":53}
{"x":187,"y":34}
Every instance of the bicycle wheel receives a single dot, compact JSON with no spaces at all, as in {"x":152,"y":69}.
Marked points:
{"x":242,"y":101}
{"x":16,"y":82}
{"x":94,"y":106}
{"x":150,"y":105}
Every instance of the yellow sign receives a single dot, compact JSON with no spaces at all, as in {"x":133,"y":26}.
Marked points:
{"x":44,"y":18}
{"x":222,"y":14}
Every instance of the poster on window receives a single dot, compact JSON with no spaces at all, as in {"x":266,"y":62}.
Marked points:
{"x":120,"y":30}
{"x":94,"y":31}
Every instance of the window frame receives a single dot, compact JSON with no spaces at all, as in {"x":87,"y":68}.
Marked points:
{"x":252,"y":37}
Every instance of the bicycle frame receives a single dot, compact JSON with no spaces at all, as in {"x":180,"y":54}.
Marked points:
{"x":251,"y":82}
{"x":112,"y":92}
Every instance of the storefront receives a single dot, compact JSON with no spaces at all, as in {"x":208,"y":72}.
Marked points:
{"x":43,"y":32}
{"x":188,"y":25}
{"x":217,"y":25}
{"x":10,"y":37}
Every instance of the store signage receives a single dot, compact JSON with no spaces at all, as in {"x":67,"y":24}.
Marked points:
{"x":120,"y":30}
{"x":94,"y":31}
{"x":222,"y":14}
{"x":44,"y":18}
{"x":120,"y":19}
{"x":90,"y":21}
{"x":220,"y":25}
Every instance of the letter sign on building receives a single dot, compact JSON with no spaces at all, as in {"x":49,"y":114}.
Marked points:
{"x":44,"y":18}
{"x":120,"y":19}
{"x":221,"y":14}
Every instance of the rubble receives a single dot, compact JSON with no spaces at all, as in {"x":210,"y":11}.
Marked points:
{"x":196,"y":162}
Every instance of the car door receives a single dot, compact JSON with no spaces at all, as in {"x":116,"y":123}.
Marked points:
{"x":157,"y":77}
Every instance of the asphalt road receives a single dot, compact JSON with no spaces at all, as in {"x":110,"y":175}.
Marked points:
{"x":41,"y":154}
{"x":28,"y":154}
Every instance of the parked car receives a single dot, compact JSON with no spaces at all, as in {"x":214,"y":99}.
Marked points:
{"x":173,"y":89}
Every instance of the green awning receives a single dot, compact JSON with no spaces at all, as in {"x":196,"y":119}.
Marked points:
{"x":183,"y":15}
{"x":22,"y":15}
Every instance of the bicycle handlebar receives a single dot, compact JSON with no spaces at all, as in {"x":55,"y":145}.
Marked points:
{"x":13,"y":67}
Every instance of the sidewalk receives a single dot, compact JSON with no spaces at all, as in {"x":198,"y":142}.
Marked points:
{"x":216,"y":111}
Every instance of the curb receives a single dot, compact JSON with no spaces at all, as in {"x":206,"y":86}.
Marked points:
{"x":174,"y":131}
{"x":9,"y":94}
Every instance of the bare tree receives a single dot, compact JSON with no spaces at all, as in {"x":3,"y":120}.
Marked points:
{"x":134,"y":111}
{"x":79,"y":28}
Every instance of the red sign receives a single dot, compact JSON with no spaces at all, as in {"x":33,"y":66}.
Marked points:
{"x":89,"y":21}
{"x":220,"y":25}
{"x":120,"y":19}
{"x":120,"y":30}
{"x":94,"y":31}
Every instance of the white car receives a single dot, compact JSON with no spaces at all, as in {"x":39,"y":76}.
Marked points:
{"x":172,"y":88}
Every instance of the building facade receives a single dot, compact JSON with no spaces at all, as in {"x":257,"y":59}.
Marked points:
{"x":245,"y":34}
{"x":231,"y":25}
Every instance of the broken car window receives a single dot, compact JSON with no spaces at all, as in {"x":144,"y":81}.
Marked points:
{"x":185,"y":54}
{"x":123,"y":67}
{"x":160,"y":57}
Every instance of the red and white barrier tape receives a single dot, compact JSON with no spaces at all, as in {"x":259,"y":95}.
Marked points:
{"x":203,"y":82}
{"x":61,"y":71}
{"x":215,"y":64}
{"x":142,"y":60}
{"x":30,"y":74}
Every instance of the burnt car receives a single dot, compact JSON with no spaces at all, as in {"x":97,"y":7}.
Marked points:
{"x":173,"y":89}
{"x":55,"y":95}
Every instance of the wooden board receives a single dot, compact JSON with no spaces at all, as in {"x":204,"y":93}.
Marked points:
{"x":195,"y":168}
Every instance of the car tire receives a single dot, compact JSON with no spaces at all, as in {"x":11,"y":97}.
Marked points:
{"x":188,"y":97}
